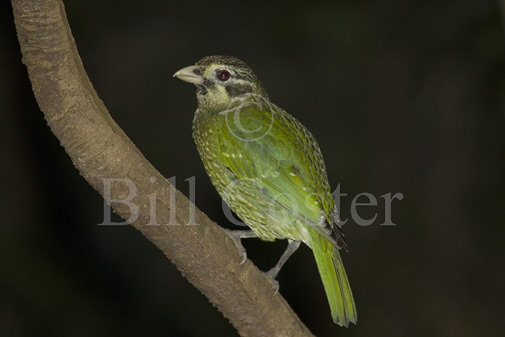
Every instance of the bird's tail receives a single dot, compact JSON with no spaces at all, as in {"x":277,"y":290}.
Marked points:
{"x":336,"y":285}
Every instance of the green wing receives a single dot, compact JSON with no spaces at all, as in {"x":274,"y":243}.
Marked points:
{"x":269,"y":169}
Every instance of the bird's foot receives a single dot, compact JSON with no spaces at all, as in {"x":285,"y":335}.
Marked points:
{"x":271,"y":275}
{"x":237,"y":236}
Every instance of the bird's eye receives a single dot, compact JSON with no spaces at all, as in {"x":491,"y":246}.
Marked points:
{"x":223,"y":75}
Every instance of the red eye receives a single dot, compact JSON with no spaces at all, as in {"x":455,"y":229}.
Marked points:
{"x":223,"y":75}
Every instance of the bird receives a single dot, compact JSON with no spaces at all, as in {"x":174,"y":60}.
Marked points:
{"x":270,"y":171}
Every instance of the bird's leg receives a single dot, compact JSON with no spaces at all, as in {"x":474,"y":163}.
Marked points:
{"x":237,"y":236}
{"x":272,"y":273}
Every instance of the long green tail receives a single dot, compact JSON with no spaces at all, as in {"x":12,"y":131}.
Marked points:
{"x":336,"y":285}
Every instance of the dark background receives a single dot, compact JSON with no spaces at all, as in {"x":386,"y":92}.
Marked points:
{"x":403,"y":96}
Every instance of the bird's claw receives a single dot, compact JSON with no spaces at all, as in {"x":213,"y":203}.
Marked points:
{"x":271,"y":274}
{"x":238,"y":243}
{"x":242,"y":253}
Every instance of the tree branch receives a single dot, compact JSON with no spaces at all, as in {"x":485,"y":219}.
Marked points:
{"x":100,"y":150}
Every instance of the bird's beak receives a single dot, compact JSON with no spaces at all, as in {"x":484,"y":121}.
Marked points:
{"x":188,"y":75}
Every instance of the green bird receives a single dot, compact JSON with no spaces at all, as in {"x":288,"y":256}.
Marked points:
{"x":269,"y":169}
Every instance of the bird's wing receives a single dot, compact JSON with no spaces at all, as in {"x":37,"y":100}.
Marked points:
{"x":272,"y":155}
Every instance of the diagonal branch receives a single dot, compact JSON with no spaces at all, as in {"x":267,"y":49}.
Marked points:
{"x":100,"y":150}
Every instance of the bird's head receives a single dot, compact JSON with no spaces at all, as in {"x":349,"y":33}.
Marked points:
{"x":221,"y":81}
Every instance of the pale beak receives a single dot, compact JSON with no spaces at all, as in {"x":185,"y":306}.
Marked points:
{"x":188,"y":75}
